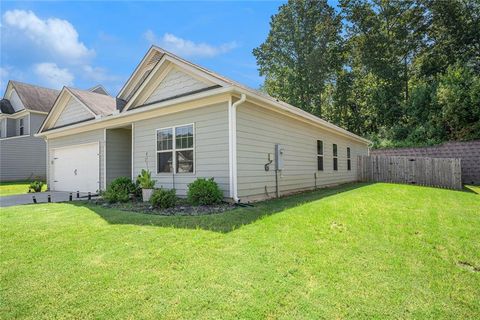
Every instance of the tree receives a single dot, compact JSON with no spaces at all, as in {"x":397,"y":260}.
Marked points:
{"x":301,"y":53}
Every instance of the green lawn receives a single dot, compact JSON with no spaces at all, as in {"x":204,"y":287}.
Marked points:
{"x":359,"y":251}
{"x":15,"y":187}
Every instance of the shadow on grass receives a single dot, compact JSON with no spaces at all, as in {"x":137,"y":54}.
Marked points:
{"x":222,"y":222}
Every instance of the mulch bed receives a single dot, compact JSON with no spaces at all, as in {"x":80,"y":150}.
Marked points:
{"x":181,"y":209}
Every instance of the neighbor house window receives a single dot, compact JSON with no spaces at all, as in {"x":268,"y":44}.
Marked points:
{"x":175,"y":149}
{"x":335,"y":157}
{"x":319,"y":155}
{"x":349,"y":161}
{"x":21,"y":126}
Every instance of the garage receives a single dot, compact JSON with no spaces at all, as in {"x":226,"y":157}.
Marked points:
{"x":76,"y":168}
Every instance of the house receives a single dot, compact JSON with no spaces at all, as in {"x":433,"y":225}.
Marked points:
{"x":181,"y":122}
{"x":24,"y":107}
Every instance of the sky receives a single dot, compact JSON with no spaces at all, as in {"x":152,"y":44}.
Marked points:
{"x":82,"y":44}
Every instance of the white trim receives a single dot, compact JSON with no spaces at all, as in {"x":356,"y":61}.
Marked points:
{"x":133,"y":150}
{"x":104,"y":158}
{"x":47,"y":173}
{"x":230,"y":147}
{"x":233,"y":141}
{"x":14,"y":137}
{"x":174,"y":151}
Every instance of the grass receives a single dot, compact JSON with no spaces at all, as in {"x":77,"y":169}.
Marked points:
{"x":15,"y":187}
{"x":359,"y":251}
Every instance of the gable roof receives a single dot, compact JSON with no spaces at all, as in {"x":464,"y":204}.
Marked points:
{"x":98,"y":103}
{"x":99,"y":89}
{"x":34,"y":97}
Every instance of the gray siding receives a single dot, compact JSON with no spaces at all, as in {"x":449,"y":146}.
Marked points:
{"x":258,"y":130}
{"x":118,"y":154}
{"x":73,"y":112}
{"x":175,"y":83}
{"x":11,"y":127}
{"x":211,"y":146}
{"x":36,"y":121}
{"x":22,"y":158}
{"x":75,"y":139}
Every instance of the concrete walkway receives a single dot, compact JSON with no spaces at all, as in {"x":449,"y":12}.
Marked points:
{"x":41,"y":197}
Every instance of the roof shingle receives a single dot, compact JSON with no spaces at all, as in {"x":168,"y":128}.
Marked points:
{"x":34,"y":97}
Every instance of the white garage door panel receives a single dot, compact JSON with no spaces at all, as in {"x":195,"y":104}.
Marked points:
{"x":77,"y":168}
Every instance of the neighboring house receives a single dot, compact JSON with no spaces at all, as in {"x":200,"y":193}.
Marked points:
{"x":181,"y":122}
{"x":23,"y":109}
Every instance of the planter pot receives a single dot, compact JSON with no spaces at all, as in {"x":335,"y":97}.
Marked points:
{"x":146,"y":194}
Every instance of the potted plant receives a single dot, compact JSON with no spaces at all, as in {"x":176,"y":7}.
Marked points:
{"x":146,"y":183}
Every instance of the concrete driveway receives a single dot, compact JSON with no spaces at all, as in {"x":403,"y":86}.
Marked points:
{"x":41,"y":197}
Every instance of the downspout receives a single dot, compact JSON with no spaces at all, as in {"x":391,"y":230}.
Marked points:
{"x":232,"y":117}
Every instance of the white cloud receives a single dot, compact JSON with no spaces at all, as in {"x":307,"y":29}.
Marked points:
{"x":188,"y":48}
{"x":98,"y":74}
{"x":53,"y":75}
{"x":56,"y":36}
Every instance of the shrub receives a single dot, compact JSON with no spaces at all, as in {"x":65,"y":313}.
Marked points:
{"x":119,"y":190}
{"x":36,"y":186}
{"x":204,"y":192}
{"x":144,"y":179}
{"x":163,"y":198}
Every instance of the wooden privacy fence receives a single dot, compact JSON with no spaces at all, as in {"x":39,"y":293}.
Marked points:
{"x":435,"y":172}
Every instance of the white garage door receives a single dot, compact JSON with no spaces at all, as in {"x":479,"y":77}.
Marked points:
{"x":76,"y":168}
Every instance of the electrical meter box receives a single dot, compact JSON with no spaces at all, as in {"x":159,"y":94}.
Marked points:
{"x":279,"y":157}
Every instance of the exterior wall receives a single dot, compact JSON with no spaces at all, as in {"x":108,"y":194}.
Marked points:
{"x":211,"y":147}
{"x":118,"y":154}
{"x":75,"y":139}
{"x":36,"y":121}
{"x":26,"y":125}
{"x":175,"y":83}
{"x":258,"y":130}
{"x":22,"y":158}
{"x":11,"y":127}
{"x":15,"y":101}
{"x":469,"y":152}
{"x":73,"y":112}
{"x":3,"y":128}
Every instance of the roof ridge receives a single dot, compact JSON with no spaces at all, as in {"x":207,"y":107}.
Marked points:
{"x":32,"y":85}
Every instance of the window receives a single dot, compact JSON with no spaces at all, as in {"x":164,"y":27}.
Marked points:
{"x":175,"y":149}
{"x":349,"y":161}
{"x":319,"y":155}
{"x":21,"y":127}
{"x":335,"y":157}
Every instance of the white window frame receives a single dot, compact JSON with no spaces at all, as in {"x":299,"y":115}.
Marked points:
{"x":334,"y":146}
{"x":174,"y":150}
{"x":21,"y":125}
{"x":349,"y":159}
{"x":320,"y":155}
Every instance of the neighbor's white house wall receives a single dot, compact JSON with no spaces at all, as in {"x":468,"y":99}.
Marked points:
{"x":258,"y":130}
{"x":15,"y":100}
{"x":76,"y":139}
{"x":211,"y":146}
{"x":73,"y":112}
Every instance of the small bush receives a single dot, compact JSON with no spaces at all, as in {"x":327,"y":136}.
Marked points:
{"x":119,"y":190}
{"x":163,"y":198}
{"x":204,"y":192}
{"x":36,"y":186}
{"x":144,"y":179}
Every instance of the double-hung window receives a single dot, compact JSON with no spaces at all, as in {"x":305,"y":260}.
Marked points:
{"x":175,"y":149}
{"x":319,"y":155}
{"x":349,"y":161}
{"x":335,"y":157}
{"x":21,"y":126}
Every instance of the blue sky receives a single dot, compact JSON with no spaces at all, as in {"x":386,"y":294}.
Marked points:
{"x":82,"y":44}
